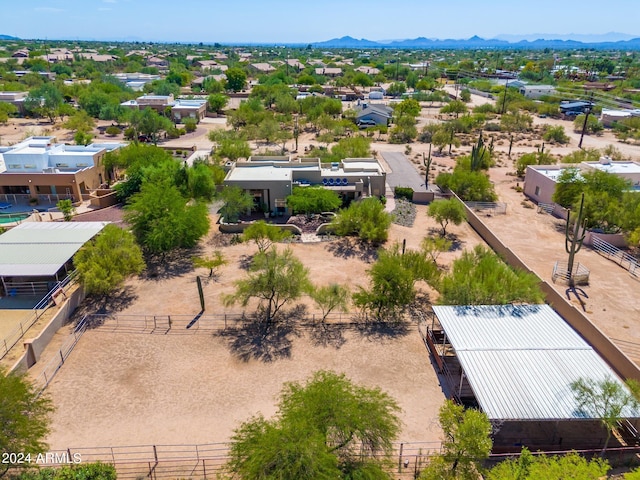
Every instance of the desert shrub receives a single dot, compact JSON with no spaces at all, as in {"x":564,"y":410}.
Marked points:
{"x":403,"y":192}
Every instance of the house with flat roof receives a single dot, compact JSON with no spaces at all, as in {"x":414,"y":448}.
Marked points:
{"x":41,"y":169}
{"x":270,"y":180}
{"x":540,"y":180}
{"x":14,"y":98}
{"x":181,"y":108}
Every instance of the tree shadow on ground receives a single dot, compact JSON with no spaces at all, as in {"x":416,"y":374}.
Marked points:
{"x":255,"y":340}
{"x":245,"y":261}
{"x":327,"y":334}
{"x":352,"y":248}
{"x":174,"y":263}
{"x":379,"y":329}
{"x":114,"y":302}
{"x":456,"y":242}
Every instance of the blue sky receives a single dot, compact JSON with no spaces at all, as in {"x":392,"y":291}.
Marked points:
{"x":304,"y":21}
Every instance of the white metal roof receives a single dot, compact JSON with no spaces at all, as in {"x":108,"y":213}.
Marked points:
{"x":42,"y":248}
{"x":520,"y":360}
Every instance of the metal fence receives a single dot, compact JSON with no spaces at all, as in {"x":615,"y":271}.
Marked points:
{"x":616,"y":255}
{"x":205,"y":461}
{"x":41,"y":307}
{"x":490,"y":208}
{"x":51,"y":368}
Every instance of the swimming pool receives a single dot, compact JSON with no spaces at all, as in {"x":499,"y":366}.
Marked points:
{"x":13,"y":217}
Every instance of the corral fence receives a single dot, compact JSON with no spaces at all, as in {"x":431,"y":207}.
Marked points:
{"x":60,"y":289}
{"x":488,"y":208}
{"x":579,"y":274}
{"x":205,"y":461}
{"x":51,"y":368}
{"x":616,"y":255}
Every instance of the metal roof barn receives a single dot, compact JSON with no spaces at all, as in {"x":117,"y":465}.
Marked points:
{"x":42,"y":249}
{"x":520,"y":360}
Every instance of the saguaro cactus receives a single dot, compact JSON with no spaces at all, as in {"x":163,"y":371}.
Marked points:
{"x":574,"y":239}
{"x":478,"y":152}
{"x":427,"y":163}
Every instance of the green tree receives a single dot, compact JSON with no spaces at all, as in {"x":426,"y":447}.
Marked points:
{"x":217,"y":102}
{"x":479,"y":277}
{"x":516,"y":122}
{"x":200,"y":181}
{"x":162,"y":220}
{"x":330,"y":297}
{"x":264,"y":234}
{"x":455,"y":107}
{"x":366,"y":219}
{"x":569,"y":186}
{"x":608,"y":399}
{"x":86,"y":471}
{"x":469,"y":186}
{"x":44,"y":101}
{"x":6,"y":109}
{"x":24,"y":417}
{"x":533,"y":158}
{"x":434,"y":246}
{"x":393,"y":279}
{"x":466,"y":444}
{"x":80,"y":122}
{"x":107,"y":260}
{"x":67,"y":209}
{"x":445,"y":211}
{"x":211,"y":262}
{"x":327,"y":428}
{"x":309,"y":200}
{"x":236,"y":202}
{"x":236,"y":79}
{"x":408,"y":107}
{"x":594,"y":126}
{"x":543,"y":467}
{"x":274,"y":279}
{"x":230,"y":145}
{"x":555,"y":134}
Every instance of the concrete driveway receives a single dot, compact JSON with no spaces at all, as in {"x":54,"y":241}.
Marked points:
{"x":403,"y":172}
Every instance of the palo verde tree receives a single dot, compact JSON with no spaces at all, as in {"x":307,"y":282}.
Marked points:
{"x":24,"y":417}
{"x":211,"y":262}
{"x":264,"y":234}
{"x":330,"y":297}
{"x":107,"y":260}
{"x":608,"y":400}
{"x":66,"y":207}
{"x":480,"y":277}
{"x":275,"y":279}
{"x":325,"y":428}
{"x":446,"y":211}
{"x":466,"y":444}
{"x":393,"y":279}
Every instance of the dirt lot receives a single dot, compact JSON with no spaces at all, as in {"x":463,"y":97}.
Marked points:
{"x":172,"y":389}
{"x":128,"y":389}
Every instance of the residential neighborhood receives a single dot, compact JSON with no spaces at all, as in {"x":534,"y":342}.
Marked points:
{"x":340,"y":259}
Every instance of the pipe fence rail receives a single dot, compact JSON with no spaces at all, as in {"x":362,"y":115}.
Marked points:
{"x":7,"y":343}
{"x":203,"y":461}
{"x":616,"y":255}
{"x":496,"y":208}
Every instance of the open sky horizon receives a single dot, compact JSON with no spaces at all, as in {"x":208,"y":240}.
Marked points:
{"x":289,"y":21}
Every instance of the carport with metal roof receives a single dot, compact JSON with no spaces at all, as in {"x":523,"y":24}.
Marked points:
{"x":34,"y":255}
{"x":517,"y":363}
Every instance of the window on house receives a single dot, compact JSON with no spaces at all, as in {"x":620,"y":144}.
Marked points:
{"x":537,"y":192}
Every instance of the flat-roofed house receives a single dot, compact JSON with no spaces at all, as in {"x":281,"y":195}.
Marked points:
{"x":271,"y":179}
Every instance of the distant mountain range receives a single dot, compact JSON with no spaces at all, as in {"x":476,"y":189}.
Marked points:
{"x":476,"y":42}
{"x":8,"y":37}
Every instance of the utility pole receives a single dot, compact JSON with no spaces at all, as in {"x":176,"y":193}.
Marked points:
{"x":587,"y":111}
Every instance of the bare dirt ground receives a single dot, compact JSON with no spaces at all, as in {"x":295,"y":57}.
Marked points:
{"x":171,"y":389}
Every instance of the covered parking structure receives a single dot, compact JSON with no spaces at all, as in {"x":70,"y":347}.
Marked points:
{"x":35,"y":256}
{"x":517,"y":363}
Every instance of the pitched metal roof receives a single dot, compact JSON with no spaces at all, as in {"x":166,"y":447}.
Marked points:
{"x":41,"y":249}
{"x":520,"y":360}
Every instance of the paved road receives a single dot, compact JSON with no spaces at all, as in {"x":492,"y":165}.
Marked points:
{"x":403,"y":173}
